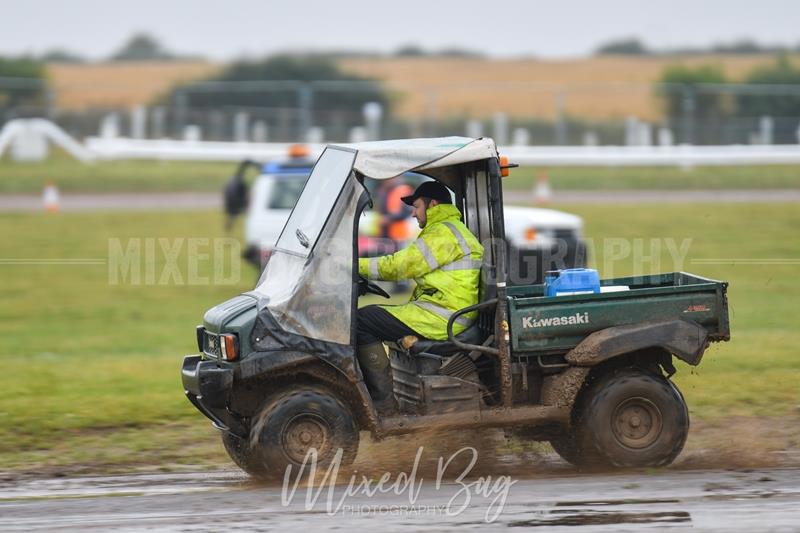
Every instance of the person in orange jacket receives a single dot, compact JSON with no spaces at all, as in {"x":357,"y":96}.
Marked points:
{"x":394,"y":212}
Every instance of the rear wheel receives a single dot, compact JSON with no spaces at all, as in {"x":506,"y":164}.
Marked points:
{"x":294,"y":423}
{"x":631,"y":418}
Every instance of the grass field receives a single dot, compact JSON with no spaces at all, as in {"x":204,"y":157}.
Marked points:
{"x":91,"y":379}
{"x":156,"y":176}
{"x":116,"y":176}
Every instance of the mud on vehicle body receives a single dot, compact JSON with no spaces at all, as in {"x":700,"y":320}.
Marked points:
{"x":277,"y":372}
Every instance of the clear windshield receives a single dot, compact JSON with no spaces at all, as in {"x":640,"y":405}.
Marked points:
{"x":315,"y":204}
{"x":308,"y":282}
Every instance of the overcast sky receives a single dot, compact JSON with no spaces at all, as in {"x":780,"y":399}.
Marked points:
{"x":225,"y":29}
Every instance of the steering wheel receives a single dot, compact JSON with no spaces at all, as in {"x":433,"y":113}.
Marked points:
{"x":365,"y":286}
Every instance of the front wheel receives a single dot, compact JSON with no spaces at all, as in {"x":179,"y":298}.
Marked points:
{"x":566,"y":446}
{"x":632,"y":418}
{"x":297,"y":425}
{"x":242,"y":454}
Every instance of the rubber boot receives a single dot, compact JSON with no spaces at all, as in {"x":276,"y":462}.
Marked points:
{"x":378,"y":376}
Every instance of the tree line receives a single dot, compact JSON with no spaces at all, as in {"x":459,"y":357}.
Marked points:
{"x":632,"y":46}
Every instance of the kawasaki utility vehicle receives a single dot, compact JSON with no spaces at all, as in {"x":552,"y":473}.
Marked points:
{"x":278,"y":375}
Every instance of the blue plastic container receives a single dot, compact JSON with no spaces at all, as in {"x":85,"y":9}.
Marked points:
{"x":571,"y":281}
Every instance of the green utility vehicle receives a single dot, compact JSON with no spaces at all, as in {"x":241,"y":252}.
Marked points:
{"x":278,"y":375}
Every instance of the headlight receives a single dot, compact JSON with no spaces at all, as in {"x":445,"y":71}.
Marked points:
{"x":230,"y":346}
{"x":224,"y":346}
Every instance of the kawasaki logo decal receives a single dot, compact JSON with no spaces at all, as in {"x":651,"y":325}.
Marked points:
{"x":577,"y":318}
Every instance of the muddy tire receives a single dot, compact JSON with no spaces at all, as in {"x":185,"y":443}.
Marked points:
{"x":294,"y":422}
{"x":631,"y":418}
{"x":575,"y":448}
{"x":566,"y":446}
{"x":242,"y":454}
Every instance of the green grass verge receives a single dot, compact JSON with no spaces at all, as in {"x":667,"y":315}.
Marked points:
{"x":157,"y":176}
{"x":756,"y":373}
{"x":91,"y":369}
{"x":94,"y":357}
{"x":113,"y":176}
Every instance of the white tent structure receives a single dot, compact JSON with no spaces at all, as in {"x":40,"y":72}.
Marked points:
{"x":28,"y":137}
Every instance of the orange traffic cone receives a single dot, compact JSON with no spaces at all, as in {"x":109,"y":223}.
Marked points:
{"x":51,"y":198}
{"x":542,"y":193}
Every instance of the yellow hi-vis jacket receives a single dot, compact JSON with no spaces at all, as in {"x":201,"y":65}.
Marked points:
{"x":445,"y":261}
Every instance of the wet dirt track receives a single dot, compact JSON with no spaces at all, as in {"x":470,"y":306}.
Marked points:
{"x":752,"y":500}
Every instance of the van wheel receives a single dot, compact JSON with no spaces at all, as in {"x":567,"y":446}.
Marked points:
{"x":632,"y":418}
{"x":294,"y":423}
{"x":242,"y":454}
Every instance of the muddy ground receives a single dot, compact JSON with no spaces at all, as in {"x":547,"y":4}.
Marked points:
{"x":751,"y":500}
{"x":725,"y":443}
{"x":747,"y":479}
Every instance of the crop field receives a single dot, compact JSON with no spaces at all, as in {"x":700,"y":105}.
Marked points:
{"x":109,"y":85}
{"x":597,"y":87}
{"x":158,"y":176}
{"x":92,"y":352}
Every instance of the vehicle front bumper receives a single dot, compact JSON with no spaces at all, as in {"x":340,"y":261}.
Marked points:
{"x":207,"y":386}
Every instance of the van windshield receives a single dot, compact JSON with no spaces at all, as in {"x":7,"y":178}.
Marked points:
{"x":286,"y":191}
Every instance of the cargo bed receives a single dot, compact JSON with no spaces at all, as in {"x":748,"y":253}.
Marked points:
{"x":556,"y":324}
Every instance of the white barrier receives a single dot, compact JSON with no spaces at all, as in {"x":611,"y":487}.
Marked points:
{"x":682,"y":155}
{"x":643,"y":156}
{"x":168,"y":149}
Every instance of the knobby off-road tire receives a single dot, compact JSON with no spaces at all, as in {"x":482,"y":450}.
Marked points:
{"x":242,"y":454}
{"x":566,"y":446}
{"x":293,"y":422}
{"x":629,"y":418}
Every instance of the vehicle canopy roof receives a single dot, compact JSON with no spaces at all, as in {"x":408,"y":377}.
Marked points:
{"x":386,"y":159}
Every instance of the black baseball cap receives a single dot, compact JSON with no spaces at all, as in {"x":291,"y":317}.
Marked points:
{"x":430,"y":189}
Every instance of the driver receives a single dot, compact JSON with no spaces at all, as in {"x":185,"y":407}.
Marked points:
{"x":445,"y":261}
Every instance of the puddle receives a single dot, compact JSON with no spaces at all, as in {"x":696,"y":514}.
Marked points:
{"x":600,"y":503}
{"x":606,"y":518}
{"x":138,"y":485}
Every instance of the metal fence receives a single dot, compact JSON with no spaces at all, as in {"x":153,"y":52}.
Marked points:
{"x":519,"y":114}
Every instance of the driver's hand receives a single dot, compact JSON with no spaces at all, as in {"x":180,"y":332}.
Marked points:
{"x":362,"y":286}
